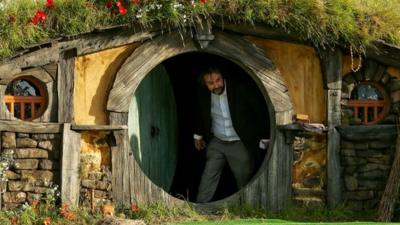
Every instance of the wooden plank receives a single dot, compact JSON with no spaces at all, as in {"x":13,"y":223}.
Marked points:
{"x":38,"y":72}
{"x":70,"y":160}
{"x":98,"y":127}
{"x":65,"y":83}
{"x":384,"y":53}
{"x":331,"y":65}
{"x":334,"y":184}
{"x":29,"y":127}
{"x":51,"y":69}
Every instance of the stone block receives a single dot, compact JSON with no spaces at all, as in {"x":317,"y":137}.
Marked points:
{"x":314,"y":181}
{"x":47,"y":144}
{"x":91,"y":184}
{"x":11,"y":175}
{"x":11,"y":206}
{"x":8,"y":140}
{"x":40,"y":137}
{"x":350,"y":169}
{"x":372,"y":184}
{"x":100,"y":194}
{"x":361,"y":145}
{"x":41,"y":190}
{"x":26,"y":143}
{"x":382,"y":159}
{"x":351,"y":183}
{"x":369,"y":153}
{"x":353,"y":161}
{"x":355,"y":205}
{"x":360,"y":195}
{"x":16,"y":185}
{"x":14,"y":197}
{"x":368,"y":167}
{"x":103,"y":185}
{"x":348,"y":152}
{"x":26,"y":164}
{"x":380,"y":145}
{"x":31,"y":153}
{"x":22,"y":135}
{"x":375,"y":174}
{"x":371,"y":204}
{"x":46,"y":164}
{"x":346,"y":144}
{"x":95,"y":175}
{"x":33,"y":197}
{"x":31,"y":175}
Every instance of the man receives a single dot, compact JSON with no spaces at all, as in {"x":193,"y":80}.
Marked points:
{"x":232,"y":120}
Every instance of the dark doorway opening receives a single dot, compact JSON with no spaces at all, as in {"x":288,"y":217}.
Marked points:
{"x":183,"y":72}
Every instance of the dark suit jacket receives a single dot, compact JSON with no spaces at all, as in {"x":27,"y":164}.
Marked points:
{"x":248,"y":112}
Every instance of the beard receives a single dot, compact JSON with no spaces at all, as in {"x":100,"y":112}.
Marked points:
{"x":218,"y":91}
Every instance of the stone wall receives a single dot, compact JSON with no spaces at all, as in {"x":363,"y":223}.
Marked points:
{"x":309,"y":169}
{"x":95,"y":169}
{"x":36,"y":169}
{"x":366,"y":158}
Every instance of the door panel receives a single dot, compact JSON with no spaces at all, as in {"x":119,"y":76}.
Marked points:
{"x":153,"y":127}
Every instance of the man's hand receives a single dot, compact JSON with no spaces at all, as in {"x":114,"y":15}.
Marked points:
{"x":200,"y":144}
{"x":263,"y":144}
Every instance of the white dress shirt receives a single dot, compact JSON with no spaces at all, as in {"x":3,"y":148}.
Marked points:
{"x":221,"y":122}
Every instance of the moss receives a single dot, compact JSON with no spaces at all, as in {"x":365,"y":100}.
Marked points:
{"x":324,"y":23}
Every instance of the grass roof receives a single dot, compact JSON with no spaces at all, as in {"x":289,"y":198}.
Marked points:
{"x":325,"y":23}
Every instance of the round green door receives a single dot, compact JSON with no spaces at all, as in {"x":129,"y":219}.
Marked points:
{"x":153,"y":127}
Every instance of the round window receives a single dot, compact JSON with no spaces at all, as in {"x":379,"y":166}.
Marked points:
{"x":369,"y":103}
{"x":25,"y":98}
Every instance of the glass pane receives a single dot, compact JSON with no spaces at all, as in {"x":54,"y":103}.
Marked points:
{"x":27,"y":111}
{"x":371,"y":114}
{"x":37,"y":107}
{"x":22,"y":88}
{"x":366,"y":92}
{"x":17,"y":110}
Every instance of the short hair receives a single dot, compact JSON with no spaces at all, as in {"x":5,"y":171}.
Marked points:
{"x":209,"y":71}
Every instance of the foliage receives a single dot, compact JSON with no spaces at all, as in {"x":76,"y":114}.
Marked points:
{"x":325,"y":23}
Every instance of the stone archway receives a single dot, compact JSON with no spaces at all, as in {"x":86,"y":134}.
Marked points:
{"x":270,"y":188}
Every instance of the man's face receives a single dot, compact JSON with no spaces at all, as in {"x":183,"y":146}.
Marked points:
{"x":214,"y":83}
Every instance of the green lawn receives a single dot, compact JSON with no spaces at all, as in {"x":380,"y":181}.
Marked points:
{"x":270,"y":221}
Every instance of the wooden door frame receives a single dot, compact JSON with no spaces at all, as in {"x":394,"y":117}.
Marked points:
{"x":270,"y":188}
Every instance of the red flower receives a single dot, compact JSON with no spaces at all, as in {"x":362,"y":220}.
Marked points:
{"x":40,"y":16}
{"x":137,"y":2}
{"x":12,"y":18}
{"x":109,"y":4}
{"x":47,"y":221}
{"x":134,"y":208}
{"x":203,"y":1}
{"x":49,"y":3}
{"x":121,"y":8}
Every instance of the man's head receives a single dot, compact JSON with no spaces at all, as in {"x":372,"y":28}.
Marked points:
{"x":214,"y":80}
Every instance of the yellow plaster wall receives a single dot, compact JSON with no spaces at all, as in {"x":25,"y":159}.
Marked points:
{"x":300,"y":67}
{"x":94,"y":75}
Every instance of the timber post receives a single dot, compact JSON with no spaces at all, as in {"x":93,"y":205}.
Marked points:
{"x":331,"y":65}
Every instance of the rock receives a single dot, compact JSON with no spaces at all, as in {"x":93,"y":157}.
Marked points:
{"x":44,"y":175}
{"x":375,"y":174}
{"x":351,"y":183}
{"x":8,"y":140}
{"x":10,"y":175}
{"x":26,"y":143}
{"x":103,"y":185}
{"x":26,"y":164}
{"x":382,"y":159}
{"x":46,"y":164}
{"x":372,"y":184}
{"x":118,"y":221}
{"x":14,"y":197}
{"x":348,"y":152}
{"x":350,"y":169}
{"x":355,"y":205}
{"x":369,"y":153}
{"x":353,"y":161}
{"x":380,"y":145}
{"x":23,"y":153}
{"x":360,"y":195}
{"x":368,"y":167}
{"x":48,"y":145}
{"x":22,"y":135}
{"x":361,"y":146}
{"x":346,"y":145}
{"x":40,"y":137}
{"x":95,"y":175}
{"x":91,"y":184}
{"x":100,"y":194}
{"x":32,"y":197}
{"x":16,"y":185}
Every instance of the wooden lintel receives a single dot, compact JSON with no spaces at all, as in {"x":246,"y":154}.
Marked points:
{"x":98,"y":127}
{"x":29,"y":127}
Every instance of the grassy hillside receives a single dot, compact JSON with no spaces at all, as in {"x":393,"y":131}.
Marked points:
{"x":325,"y":23}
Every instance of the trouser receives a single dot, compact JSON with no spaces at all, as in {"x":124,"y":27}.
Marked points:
{"x":218,"y":152}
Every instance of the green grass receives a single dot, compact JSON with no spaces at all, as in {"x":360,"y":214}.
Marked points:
{"x":271,"y":221}
{"x":324,"y":23}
